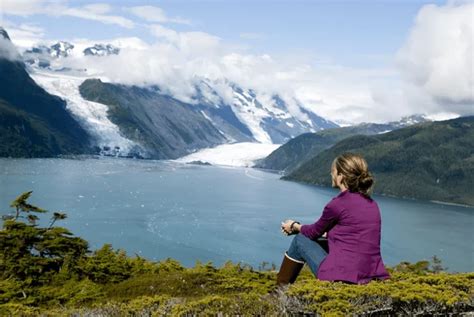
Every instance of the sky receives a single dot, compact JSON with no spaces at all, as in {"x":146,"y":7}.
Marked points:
{"x":349,"y":61}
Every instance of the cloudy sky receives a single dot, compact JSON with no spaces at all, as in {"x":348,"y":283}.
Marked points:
{"x":349,"y":61}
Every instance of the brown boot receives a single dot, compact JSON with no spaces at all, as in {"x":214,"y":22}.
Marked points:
{"x":289,"y":270}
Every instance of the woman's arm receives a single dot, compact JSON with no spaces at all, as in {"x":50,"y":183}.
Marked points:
{"x":286,"y":228}
{"x":330,"y":215}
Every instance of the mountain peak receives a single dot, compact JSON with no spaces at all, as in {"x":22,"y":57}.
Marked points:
{"x":4,"y":34}
{"x":61,"y":49}
{"x":7,"y":49}
{"x":415,"y":118}
{"x":102,"y":50}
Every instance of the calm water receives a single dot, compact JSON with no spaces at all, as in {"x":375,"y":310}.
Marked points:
{"x":161,"y":209}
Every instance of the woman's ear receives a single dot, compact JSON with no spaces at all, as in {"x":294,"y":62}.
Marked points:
{"x":340,"y":179}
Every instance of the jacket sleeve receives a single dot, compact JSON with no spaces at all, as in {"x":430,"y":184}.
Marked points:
{"x":329,"y":217}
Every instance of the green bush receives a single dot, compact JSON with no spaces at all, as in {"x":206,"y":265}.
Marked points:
{"x":404,"y":293}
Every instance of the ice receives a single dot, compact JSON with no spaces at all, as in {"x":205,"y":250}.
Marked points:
{"x":91,"y":115}
{"x":242,"y":154}
{"x":251,"y":116}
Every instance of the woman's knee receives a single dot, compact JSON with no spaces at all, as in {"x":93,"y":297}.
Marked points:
{"x":301,"y":240}
{"x":300,"y":237}
{"x":300,"y":243}
{"x":294,"y":250}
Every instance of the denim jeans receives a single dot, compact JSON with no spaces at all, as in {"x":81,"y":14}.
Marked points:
{"x":305,"y":250}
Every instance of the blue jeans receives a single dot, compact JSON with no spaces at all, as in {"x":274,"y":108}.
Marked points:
{"x":305,"y":250}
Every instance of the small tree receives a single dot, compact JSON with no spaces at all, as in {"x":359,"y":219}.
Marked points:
{"x":57,"y":216}
{"x":21,"y":205}
{"x":33,"y":254}
{"x":436,"y":265}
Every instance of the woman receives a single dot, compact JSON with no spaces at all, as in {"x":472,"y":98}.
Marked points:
{"x":353,"y":225}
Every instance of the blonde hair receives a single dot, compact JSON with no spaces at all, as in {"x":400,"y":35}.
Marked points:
{"x":355,"y":171}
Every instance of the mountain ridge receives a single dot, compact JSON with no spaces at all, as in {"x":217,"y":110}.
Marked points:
{"x":429,"y":161}
{"x":298,"y":150}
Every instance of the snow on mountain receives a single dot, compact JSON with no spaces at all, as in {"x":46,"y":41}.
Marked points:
{"x":45,"y":56}
{"x":38,"y":56}
{"x":251,"y":113}
{"x":61,"y":49}
{"x":258,"y":117}
{"x":92,"y":115}
{"x":101,"y":50}
{"x":42,"y":56}
{"x":404,"y":122}
{"x":243,"y":154}
{"x":413,"y":119}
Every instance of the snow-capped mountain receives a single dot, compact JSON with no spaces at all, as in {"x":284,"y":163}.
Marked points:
{"x":61,"y":49}
{"x":248,"y":116}
{"x":101,"y":50}
{"x":410,"y":120}
{"x":42,"y":55}
{"x":243,"y":115}
{"x":380,"y":128}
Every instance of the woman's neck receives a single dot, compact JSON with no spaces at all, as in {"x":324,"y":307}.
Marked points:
{"x":342,"y":188}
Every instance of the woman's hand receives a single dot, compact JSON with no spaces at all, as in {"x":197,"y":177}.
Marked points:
{"x":286,"y":227}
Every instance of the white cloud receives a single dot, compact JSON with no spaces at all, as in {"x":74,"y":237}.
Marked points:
{"x":21,"y":7}
{"x":90,"y":13}
{"x":187,"y":42}
{"x":94,"y":11}
{"x":160,"y":31}
{"x":98,"y":8}
{"x":155,"y":14}
{"x":443,"y":116}
{"x":345,"y":94}
{"x":8,"y":50}
{"x":437,"y":57}
{"x":24,"y":35}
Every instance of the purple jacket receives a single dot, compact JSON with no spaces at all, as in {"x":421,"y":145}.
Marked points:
{"x":353,"y":224}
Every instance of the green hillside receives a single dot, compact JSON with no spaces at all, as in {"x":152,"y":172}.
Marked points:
{"x":34,"y":123}
{"x":301,"y":149}
{"x":429,"y":161}
{"x":23,"y":134}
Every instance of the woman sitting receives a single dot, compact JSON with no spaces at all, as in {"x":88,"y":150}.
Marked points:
{"x":353,"y":225}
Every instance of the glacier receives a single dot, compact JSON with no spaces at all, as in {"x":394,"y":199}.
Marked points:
{"x":91,"y":115}
{"x":242,"y":154}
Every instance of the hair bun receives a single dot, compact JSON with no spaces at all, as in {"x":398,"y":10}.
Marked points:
{"x":365,"y":179}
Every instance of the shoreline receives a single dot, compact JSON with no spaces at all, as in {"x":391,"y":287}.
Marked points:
{"x":281,"y":173}
{"x":439,"y":202}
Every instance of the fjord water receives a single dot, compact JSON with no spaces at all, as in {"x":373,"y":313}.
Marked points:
{"x":161,"y":209}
